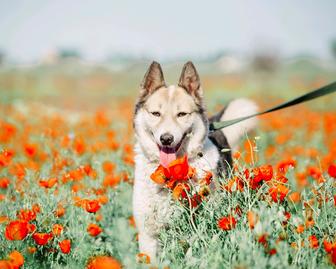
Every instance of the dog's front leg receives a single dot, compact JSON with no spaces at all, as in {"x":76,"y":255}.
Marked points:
{"x":151,"y":213}
{"x":148,"y":244}
{"x":148,"y":231}
{"x":144,"y":200}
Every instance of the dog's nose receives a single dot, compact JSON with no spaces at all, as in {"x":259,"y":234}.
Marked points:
{"x":166,"y":139}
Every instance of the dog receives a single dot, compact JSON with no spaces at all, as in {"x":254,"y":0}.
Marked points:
{"x":171,"y":122}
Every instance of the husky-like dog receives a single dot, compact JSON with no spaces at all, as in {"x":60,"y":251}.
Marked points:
{"x":170,"y":122}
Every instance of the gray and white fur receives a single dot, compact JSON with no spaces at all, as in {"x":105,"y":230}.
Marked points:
{"x":171,"y":121}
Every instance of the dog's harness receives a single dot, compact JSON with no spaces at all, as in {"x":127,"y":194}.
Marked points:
{"x":325,"y":90}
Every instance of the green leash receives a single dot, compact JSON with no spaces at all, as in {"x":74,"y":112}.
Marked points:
{"x":330,"y":88}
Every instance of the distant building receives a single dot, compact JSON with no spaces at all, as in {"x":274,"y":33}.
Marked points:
{"x":55,"y":56}
{"x":230,"y":63}
{"x":50,"y":58}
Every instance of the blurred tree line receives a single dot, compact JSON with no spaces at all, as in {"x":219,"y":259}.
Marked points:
{"x":333,"y":48}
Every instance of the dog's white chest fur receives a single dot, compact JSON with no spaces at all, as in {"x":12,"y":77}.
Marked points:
{"x":152,"y":203}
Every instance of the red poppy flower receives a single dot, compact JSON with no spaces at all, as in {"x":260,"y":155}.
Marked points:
{"x":260,"y":174}
{"x":178,"y":169}
{"x":4,"y":183}
{"x":159,"y":175}
{"x":278,"y":192}
{"x":314,"y":243}
{"x":57,"y":229}
{"x":18,"y":169}
{"x":16,"y":230}
{"x":31,"y":228}
{"x":48,"y":183}
{"x":281,"y":178}
{"x":246,"y":174}
{"x":87,"y":168}
{"x":333,"y":255}
{"x":16,"y":259}
{"x":26,"y":214}
{"x":287,"y":215}
{"x":65,"y":246}
{"x":108,"y":167}
{"x":42,"y":238}
{"x":30,"y":149}
{"x":328,"y":246}
{"x":92,"y":206}
{"x":266,"y":172}
{"x":300,"y":229}
{"x":94,"y":229}
{"x":332,"y":170}
{"x":5,"y":264}
{"x":314,"y":172}
{"x":227,"y":223}
{"x":263,"y":240}
{"x":195,"y":200}
{"x":180,"y":191}
{"x":111,"y":180}
{"x":60,"y":211}
{"x":255,"y":181}
{"x":284,"y":165}
{"x":103,"y":262}
{"x":6,"y":157}
{"x":79,"y":145}
{"x":103,"y":199}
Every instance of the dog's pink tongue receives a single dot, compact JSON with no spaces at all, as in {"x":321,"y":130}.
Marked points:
{"x":166,"y":158}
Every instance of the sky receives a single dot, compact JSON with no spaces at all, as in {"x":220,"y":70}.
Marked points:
{"x":161,"y":29}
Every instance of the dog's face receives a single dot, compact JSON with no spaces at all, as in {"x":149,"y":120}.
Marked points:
{"x":170,"y":121}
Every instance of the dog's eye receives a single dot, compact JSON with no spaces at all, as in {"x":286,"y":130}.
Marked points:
{"x":181,"y":114}
{"x":156,"y":114}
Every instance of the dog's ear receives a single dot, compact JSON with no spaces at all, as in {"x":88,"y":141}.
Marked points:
{"x":189,"y":78}
{"x":153,"y":79}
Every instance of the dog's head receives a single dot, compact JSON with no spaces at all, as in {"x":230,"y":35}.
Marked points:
{"x":170,"y":121}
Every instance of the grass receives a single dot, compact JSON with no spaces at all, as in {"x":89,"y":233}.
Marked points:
{"x":89,"y":154}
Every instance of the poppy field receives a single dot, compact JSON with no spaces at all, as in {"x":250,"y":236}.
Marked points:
{"x":66,"y":181}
